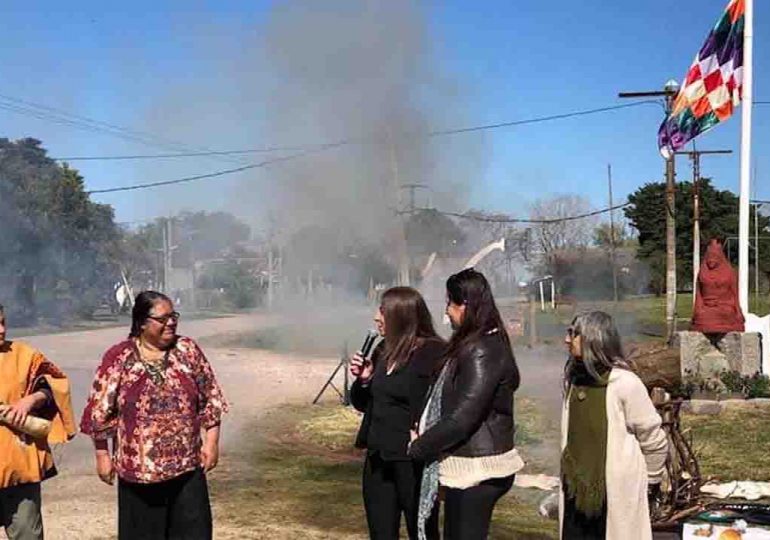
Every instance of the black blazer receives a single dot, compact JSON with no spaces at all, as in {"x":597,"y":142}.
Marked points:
{"x":396,"y":414}
{"x":476,"y":405}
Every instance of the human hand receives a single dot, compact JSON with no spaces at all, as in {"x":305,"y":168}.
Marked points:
{"x":209,"y":455}
{"x":104,"y":467}
{"x":17,"y":413}
{"x":361,"y":368}
{"x":653,"y":496}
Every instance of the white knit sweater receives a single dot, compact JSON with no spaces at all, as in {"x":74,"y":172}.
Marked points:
{"x":464,"y":472}
{"x":636,"y":455}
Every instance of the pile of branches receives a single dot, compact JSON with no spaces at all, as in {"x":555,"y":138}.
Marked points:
{"x":680,"y":495}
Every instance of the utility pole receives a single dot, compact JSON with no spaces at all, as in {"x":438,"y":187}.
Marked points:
{"x":613,"y":260}
{"x":270,"y":292}
{"x":167,"y":248}
{"x":401,"y":245}
{"x":694,"y":156}
{"x":669,"y":92}
{"x":193,"y":296}
{"x":412,"y":194}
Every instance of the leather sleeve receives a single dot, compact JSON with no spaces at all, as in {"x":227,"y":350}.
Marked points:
{"x":423,"y":367}
{"x":477,"y":376}
{"x":516,"y":380}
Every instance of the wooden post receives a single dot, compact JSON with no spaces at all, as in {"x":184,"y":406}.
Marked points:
{"x":532,"y":321}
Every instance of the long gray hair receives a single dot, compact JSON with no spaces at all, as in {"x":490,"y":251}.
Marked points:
{"x":601,"y":346}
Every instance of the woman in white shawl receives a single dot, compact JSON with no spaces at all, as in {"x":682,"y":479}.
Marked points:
{"x":613,"y":447}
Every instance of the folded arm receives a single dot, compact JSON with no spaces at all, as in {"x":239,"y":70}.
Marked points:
{"x":476,"y":381}
{"x":643,"y":420}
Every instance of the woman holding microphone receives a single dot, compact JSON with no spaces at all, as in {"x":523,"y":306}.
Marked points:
{"x":390,"y":390}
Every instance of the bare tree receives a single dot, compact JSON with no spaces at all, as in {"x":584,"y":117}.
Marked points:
{"x":504,"y":269}
{"x":561,"y":241}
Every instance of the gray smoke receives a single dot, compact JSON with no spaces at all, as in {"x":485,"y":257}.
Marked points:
{"x":364,"y":71}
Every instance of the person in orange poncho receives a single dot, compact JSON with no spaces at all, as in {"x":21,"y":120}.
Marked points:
{"x":29,"y":385}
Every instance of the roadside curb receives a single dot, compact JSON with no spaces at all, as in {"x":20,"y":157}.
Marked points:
{"x":710,"y":407}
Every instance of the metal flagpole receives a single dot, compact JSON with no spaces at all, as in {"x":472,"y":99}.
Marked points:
{"x":743,"y":220}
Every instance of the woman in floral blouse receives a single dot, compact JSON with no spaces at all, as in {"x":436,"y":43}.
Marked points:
{"x":156,"y":398}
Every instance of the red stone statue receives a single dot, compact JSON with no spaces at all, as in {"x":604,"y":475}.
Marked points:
{"x":716,"y":310}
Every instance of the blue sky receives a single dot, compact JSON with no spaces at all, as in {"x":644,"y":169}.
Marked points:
{"x":162,"y":68}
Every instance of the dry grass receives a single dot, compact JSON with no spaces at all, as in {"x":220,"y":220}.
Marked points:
{"x":331,"y":427}
{"x":537,"y":437}
{"x":733,"y":445}
{"x":303,"y":480}
{"x":283,"y":486}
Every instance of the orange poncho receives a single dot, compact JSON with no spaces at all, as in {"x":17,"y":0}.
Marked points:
{"x":25,"y":460}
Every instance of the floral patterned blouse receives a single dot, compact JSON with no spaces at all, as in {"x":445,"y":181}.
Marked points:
{"x":155,"y":421}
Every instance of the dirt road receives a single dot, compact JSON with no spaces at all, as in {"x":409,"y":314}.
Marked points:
{"x":76,"y":504}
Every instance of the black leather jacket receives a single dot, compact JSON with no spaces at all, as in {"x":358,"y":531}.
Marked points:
{"x":476,"y":405}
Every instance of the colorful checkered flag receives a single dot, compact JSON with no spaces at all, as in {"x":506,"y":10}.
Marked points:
{"x":713,"y":85}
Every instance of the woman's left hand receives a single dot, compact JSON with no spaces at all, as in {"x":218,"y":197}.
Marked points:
{"x":209,"y":455}
{"x":413,"y":435}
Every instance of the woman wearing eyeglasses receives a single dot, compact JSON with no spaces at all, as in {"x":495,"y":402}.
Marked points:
{"x":156,"y":400}
{"x":613,"y":447}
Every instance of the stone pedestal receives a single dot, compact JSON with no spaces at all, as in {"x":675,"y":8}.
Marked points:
{"x":761,"y":325}
{"x":734,"y":351}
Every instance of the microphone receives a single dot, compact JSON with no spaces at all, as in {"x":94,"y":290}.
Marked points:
{"x":369,"y":340}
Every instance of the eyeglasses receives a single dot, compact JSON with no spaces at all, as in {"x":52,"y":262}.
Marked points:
{"x":572,"y":333}
{"x":165,"y":318}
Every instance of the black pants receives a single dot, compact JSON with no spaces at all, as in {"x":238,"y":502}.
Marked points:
{"x":177,"y":509}
{"x":468,"y":512}
{"x":390,"y":489}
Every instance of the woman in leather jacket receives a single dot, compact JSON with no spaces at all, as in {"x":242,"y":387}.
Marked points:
{"x":466,"y":429}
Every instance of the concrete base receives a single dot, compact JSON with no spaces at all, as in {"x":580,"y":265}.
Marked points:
{"x":707,"y":355}
{"x":761,"y":325}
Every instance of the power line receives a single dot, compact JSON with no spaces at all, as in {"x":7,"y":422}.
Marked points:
{"x":62,"y":117}
{"x":50,"y":114}
{"x":209,"y":175}
{"x":539,"y":119}
{"x":322,"y":147}
{"x":184,"y":154}
{"x":429,"y":134}
{"x":508,"y":219}
{"x":325,"y":146}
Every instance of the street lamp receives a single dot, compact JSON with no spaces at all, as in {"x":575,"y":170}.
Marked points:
{"x":671,"y":87}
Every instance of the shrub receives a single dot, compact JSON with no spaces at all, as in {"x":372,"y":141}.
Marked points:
{"x":734,"y":382}
{"x":758,"y":386}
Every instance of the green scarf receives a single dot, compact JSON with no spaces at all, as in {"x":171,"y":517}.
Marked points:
{"x":584,"y":460}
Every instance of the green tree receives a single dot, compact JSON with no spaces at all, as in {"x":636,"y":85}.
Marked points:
{"x":237,"y":279}
{"x":718,"y":219}
{"x":58,"y":247}
{"x":213,"y":241}
{"x":429,"y":231}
